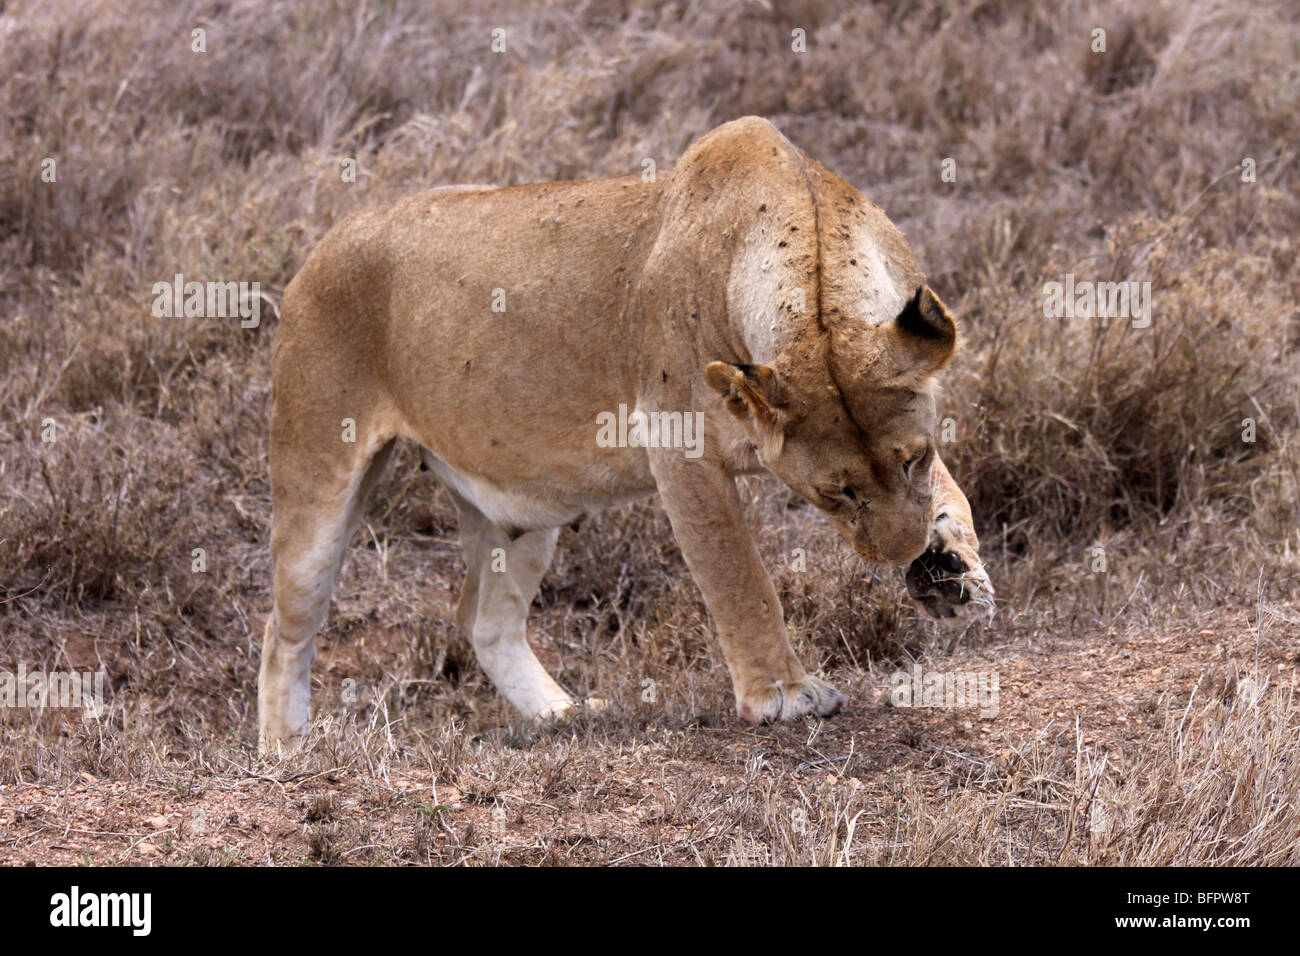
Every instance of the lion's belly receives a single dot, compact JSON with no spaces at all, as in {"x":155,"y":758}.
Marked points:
{"x":538,"y":501}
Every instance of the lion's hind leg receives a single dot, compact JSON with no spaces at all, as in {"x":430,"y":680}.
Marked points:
{"x":502,"y":578}
{"x":321,"y":475}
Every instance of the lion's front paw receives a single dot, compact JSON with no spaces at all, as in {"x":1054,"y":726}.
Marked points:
{"x":781,"y":700}
{"x":948,"y":581}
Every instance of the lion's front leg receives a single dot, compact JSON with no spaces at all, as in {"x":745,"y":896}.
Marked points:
{"x":948,"y":581}
{"x":709,"y":525}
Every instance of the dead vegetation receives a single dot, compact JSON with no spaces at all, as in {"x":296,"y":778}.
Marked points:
{"x":1073,"y":435}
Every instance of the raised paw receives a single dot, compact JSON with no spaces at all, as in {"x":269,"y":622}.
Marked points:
{"x":948,"y":581}
{"x":782,"y":700}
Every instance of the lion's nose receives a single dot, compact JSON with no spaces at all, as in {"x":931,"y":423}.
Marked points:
{"x":905,"y":552}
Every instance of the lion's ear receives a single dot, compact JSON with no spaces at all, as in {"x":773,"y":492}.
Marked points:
{"x":925,"y":334}
{"x":749,"y":391}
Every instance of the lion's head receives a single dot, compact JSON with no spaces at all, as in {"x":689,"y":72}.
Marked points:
{"x":853,"y":433}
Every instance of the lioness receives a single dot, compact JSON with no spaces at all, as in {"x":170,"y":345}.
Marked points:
{"x":495,"y":326}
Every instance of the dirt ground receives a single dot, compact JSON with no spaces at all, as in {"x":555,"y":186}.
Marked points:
{"x":711,"y":791}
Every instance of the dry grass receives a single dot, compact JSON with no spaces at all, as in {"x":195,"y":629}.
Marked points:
{"x":1072,"y":435}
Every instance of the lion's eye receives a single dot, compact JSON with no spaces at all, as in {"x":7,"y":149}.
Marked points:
{"x":840,"y":497}
{"x":912,"y":463}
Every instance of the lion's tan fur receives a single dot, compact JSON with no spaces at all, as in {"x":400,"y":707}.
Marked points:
{"x":680,"y":294}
